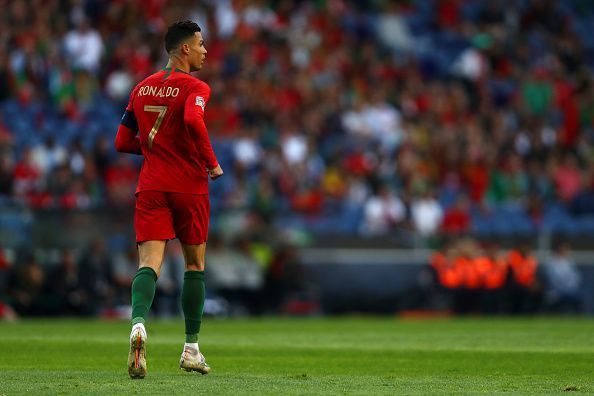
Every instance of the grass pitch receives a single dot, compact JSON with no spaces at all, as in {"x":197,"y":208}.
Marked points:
{"x":365,"y":356}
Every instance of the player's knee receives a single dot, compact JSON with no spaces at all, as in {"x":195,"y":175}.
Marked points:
{"x":195,"y":263}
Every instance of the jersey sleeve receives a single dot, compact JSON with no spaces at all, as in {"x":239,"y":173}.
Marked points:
{"x":194,"y":120}
{"x":126,"y":140}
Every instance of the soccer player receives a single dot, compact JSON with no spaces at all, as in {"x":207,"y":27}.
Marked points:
{"x":164,"y":122}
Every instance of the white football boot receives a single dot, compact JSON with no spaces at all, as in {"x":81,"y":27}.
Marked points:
{"x":137,"y":354}
{"x":193,"y":360}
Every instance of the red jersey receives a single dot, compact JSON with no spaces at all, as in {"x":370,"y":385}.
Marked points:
{"x":167,"y":111}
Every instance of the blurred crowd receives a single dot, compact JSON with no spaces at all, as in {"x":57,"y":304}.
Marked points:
{"x":335,"y":116}
{"x":468,"y":277}
{"x":429,"y":117}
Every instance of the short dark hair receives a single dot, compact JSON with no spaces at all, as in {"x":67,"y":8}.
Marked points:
{"x":178,"y":32}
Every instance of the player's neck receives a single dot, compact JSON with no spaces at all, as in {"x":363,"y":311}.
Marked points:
{"x":174,"y":64}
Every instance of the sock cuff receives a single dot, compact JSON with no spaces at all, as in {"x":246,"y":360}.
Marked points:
{"x":191,"y":338}
{"x":194,"y":275}
{"x":148,"y":271}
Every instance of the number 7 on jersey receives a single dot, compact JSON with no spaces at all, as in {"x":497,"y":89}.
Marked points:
{"x":155,"y":109}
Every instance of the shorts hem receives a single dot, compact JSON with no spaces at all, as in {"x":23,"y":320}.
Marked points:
{"x":192,"y":243}
{"x":153,"y":239}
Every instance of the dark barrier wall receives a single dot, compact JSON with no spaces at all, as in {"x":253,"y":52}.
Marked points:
{"x":397,"y":283}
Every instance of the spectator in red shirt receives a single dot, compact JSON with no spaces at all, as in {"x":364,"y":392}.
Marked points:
{"x":27,"y":176}
{"x":457,"y":218}
{"x":568,"y":178}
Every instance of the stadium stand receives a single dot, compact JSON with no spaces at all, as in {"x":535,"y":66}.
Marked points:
{"x":329,"y":117}
{"x":317,"y":106}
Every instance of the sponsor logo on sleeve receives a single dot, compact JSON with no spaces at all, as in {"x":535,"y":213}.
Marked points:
{"x":200,"y":102}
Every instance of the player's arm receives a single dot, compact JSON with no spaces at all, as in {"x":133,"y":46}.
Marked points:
{"x":126,"y":140}
{"x":194,"y":120}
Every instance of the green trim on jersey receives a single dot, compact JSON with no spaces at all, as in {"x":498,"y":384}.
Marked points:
{"x":168,"y":70}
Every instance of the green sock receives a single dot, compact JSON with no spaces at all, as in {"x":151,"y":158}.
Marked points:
{"x":143,"y":292}
{"x":192,"y":299}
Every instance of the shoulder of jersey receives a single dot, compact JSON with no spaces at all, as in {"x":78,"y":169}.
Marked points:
{"x":141,"y":83}
{"x":200,"y":85}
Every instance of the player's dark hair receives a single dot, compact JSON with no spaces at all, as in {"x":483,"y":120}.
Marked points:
{"x":178,"y":33}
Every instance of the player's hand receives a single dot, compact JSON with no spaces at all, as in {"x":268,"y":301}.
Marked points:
{"x":215,"y":173}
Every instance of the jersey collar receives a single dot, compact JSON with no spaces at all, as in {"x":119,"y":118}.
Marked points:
{"x":168,"y":70}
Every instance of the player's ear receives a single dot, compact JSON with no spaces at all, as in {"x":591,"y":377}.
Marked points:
{"x":185,"y":48}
